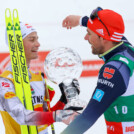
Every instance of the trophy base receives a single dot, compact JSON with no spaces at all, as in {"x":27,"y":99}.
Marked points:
{"x":76,"y":105}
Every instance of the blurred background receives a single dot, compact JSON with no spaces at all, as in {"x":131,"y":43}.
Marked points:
{"x":46,"y":16}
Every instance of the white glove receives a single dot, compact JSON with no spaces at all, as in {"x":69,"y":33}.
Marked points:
{"x":65,"y":116}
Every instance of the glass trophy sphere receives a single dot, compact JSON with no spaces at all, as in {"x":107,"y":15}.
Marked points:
{"x":61,"y":64}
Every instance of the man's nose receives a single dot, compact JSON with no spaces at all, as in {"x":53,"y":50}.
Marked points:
{"x":86,"y":37}
{"x":37,"y":44}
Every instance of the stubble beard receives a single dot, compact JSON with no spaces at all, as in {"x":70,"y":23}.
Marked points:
{"x":94,"y":51}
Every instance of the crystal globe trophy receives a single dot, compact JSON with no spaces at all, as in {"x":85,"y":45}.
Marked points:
{"x":63,"y":65}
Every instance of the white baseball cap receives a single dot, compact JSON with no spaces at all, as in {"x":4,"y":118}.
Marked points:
{"x":26,"y":29}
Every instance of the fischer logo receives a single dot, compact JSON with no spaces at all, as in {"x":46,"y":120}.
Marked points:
{"x":129,"y":129}
{"x":22,"y":58}
{"x":14,"y":58}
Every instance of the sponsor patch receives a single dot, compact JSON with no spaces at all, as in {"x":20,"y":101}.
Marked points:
{"x":36,"y":73}
{"x":98,"y":95}
{"x":38,"y":107}
{"x":129,"y":129}
{"x":5,"y":84}
{"x":9,"y":95}
{"x":32,"y":91}
{"x":108,"y":73}
{"x":124,"y":59}
{"x":106,"y":82}
{"x":110,"y":128}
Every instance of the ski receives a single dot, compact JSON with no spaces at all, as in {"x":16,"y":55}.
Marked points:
{"x":48,"y":104}
{"x":19,"y":67}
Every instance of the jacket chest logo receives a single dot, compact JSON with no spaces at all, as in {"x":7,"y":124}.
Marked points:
{"x":37,"y":99}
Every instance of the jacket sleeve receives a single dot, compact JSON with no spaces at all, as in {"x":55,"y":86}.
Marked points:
{"x":10,"y":103}
{"x":112,"y":83}
{"x":59,"y":105}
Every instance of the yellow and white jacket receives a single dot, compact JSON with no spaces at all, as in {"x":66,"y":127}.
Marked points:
{"x":12,"y":111}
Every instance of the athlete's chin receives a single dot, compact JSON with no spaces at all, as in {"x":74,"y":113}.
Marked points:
{"x":34,"y":57}
{"x":94,"y":52}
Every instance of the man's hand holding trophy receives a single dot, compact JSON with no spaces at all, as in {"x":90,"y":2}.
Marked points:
{"x":64,"y":66}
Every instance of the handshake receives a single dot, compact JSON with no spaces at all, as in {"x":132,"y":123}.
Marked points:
{"x":73,"y":105}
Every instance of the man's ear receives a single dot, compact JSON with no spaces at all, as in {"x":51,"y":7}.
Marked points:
{"x":102,"y":39}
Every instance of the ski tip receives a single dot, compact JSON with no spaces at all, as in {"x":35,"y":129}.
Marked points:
{"x":15,"y":13}
{"x":7,"y":13}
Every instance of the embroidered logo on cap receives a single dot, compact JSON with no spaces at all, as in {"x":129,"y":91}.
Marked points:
{"x":100,"y":31}
{"x":28,"y":26}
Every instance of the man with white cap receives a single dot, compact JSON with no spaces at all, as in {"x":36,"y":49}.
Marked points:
{"x":114,"y":92}
{"x":13,"y":112}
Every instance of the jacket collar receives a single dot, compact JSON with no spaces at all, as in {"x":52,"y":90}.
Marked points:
{"x":111,"y":52}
